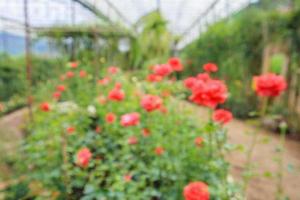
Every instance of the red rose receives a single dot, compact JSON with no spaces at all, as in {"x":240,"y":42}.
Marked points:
{"x":104,"y":81}
{"x":189,"y":82}
{"x":154,"y":78}
{"x":116,"y":94}
{"x":159,"y":150}
{"x":162,"y":70}
{"x":222,"y":116}
{"x":73,"y":64}
{"x":196,"y":191}
{"x":61,"y":88}
{"x":70,"y":74}
{"x":165,"y":93}
{"x":198,"y":141}
{"x":102,"y":99}
{"x":118,"y":85}
{"x":110,"y":117}
{"x":130,"y":119}
{"x":83,"y":157}
{"x":146,"y":132}
{"x":210,"y":67}
{"x":82,"y":73}
{"x":269,"y":85}
{"x":70,"y":129}
{"x":45,"y":106}
{"x":56,"y":95}
{"x":132,"y":140}
{"x":98,"y":129}
{"x":175,"y":63}
{"x":210,"y":93}
{"x":151,"y":102}
{"x":62,"y":77}
{"x":113,"y":70}
{"x":163,"y":109}
{"x":203,"y":76}
{"x":127,"y":178}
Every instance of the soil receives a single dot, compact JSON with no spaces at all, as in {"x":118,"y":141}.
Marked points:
{"x":261,"y":187}
{"x":263,"y":184}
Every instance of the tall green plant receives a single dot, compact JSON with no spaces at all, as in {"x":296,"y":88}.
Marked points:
{"x":152,"y":42}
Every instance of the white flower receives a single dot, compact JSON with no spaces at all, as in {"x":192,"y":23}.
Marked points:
{"x":66,"y":107}
{"x":91,"y":110}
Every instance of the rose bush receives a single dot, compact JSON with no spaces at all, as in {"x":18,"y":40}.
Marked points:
{"x":125,"y":139}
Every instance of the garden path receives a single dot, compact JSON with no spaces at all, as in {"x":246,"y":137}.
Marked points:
{"x":260,"y":188}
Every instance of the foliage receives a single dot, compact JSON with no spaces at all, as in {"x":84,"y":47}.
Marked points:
{"x":152,"y":42}
{"x":148,"y":42}
{"x":13,"y":77}
{"x":236,"y":44}
{"x":48,"y":155}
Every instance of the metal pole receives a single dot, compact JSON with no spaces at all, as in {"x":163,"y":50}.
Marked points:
{"x":158,"y":5}
{"x":73,"y":14}
{"x":28,"y":60}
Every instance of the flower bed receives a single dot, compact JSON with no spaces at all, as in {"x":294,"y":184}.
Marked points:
{"x":124,"y":138}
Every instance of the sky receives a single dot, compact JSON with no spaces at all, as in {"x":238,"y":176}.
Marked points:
{"x":180,"y":14}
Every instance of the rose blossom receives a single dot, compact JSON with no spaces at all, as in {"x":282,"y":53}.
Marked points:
{"x":45,"y":106}
{"x":162,"y":70}
{"x":110,"y":117}
{"x":269,"y":85}
{"x":127,"y":178}
{"x":203,"y":76}
{"x":73,"y":64}
{"x":113,"y":70}
{"x":130,"y":119}
{"x":82,"y":73}
{"x":198,"y":141}
{"x":83,"y":157}
{"x":210,"y":93}
{"x":132,"y":140}
{"x":70,"y":74}
{"x":116,"y":94}
{"x":56,"y":95}
{"x":60,"y":88}
{"x":159,"y":150}
{"x":98,"y":129}
{"x":189,"y":82}
{"x":104,"y":81}
{"x":175,"y":63}
{"x":70,"y":129}
{"x":154,"y":78}
{"x":151,"y":102}
{"x":222,"y":116}
{"x":196,"y":191}
{"x":146,"y":132}
{"x":210,"y":67}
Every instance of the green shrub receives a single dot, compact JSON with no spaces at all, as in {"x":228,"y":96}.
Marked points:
{"x":13,"y":83}
{"x":48,"y":156}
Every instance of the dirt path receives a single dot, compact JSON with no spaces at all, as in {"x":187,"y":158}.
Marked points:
{"x":260,"y":188}
{"x":10,"y":136}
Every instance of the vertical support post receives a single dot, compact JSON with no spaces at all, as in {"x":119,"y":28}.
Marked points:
{"x":95,"y":62}
{"x":73,"y":15}
{"x":28,"y":60}
{"x":227,"y":5}
{"x":158,"y":5}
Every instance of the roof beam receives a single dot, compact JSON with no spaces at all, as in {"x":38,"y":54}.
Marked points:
{"x":202,"y":15}
{"x":93,"y":9}
{"x":118,"y":12}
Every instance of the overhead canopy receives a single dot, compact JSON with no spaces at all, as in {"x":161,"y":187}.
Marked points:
{"x":185,"y":17}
